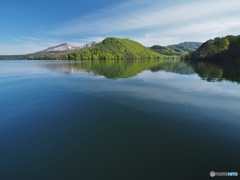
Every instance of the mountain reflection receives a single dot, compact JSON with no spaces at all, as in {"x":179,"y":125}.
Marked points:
{"x":121,"y":69}
{"x":64,"y":68}
{"x":113,"y":69}
{"x":217,"y":71}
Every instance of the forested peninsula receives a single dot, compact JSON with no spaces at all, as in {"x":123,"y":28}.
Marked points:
{"x":218,"y":50}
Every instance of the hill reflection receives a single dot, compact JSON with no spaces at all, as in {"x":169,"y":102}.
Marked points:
{"x":217,"y":72}
{"x":113,"y":69}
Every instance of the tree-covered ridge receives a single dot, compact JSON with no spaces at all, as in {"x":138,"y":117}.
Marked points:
{"x":35,"y":56}
{"x":219,"y":49}
{"x":114,"y":49}
{"x":178,"y":49}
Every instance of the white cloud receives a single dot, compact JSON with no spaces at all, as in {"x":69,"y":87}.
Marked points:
{"x":209,"y":18}
{"x":155,"y":39}
{"x":200,"y":32}
{"x":85,"y":40}
{"x":149,"y":22}
{"x":20,"y":48}
{"x":27,"y":45}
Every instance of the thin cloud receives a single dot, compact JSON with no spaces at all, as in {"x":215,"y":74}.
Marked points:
{"x":20,"y":48}
{"x":193,"y":32}
{"x":27,"y":45}
{"x":85,"y":40}
{"x":149,"y":16}
{"x":149,"y":22}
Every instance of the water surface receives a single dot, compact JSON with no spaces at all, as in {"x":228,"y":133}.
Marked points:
{"x":118,"y":120}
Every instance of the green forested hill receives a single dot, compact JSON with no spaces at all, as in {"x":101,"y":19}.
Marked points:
{"x":114,"y":48}
{"x":219,"y":49}
{"x":177,"y":49}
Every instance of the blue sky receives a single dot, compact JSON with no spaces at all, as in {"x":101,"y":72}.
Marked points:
{"x":32,"y":25}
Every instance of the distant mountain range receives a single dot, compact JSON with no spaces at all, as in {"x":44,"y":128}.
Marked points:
{"x":110,"y":48}
{"x":171,"y":50}
{"x":224,"y":49}
{"x":177,"y":49}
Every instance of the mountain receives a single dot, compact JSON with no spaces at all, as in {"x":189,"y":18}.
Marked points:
{"x":225,"y":49}
{"x":187,"y":46}
{"x":54,"y":52}
{"x":114,"y":48}
{"x":61,"y":47}
{"x":122,"y":68}
{"x":90,"y":44}
{"x":177,"y":49}
{"x":64,"y":48}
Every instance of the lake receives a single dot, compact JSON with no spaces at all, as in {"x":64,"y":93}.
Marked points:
{"x":162,"y":119}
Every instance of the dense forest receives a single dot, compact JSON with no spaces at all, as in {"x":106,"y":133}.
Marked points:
{"x":225,"y":49}
{"x":35,"y":56}
{"x":177,"y":49}
{"x":13,"y":57}
{"x":114,"y":49}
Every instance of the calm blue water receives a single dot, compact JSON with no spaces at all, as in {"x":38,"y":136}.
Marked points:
{"x":78,"y":120}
